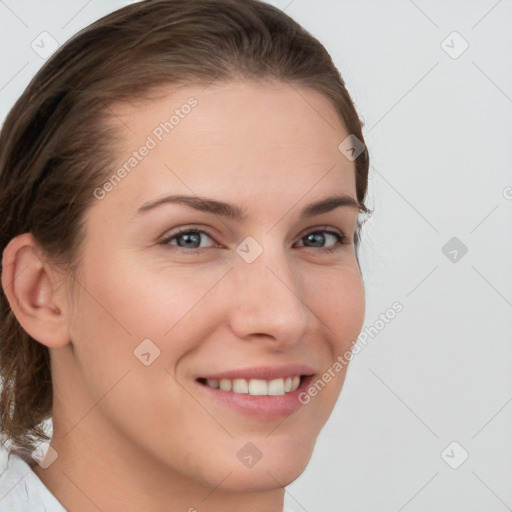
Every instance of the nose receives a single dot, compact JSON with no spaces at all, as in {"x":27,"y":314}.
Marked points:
{"x":268,"y":300}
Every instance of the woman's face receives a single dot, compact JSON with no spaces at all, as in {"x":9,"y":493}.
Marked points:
{"x":270,"y":295}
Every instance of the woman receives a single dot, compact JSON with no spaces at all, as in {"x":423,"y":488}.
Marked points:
{"x":180,"y":190}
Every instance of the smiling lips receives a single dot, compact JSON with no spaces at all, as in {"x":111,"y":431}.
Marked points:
{"x":256,"y":387}
{"x":264,"y":392}
{"x":259,"y":381}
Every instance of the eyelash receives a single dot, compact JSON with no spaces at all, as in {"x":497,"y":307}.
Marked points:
{"x":341,"y":240}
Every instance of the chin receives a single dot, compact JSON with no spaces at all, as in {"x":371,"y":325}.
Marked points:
{"x":265,"y":477}
{"x":264,"y":465}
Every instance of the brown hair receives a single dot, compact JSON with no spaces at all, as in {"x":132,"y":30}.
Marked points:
{"x":56,"y":143}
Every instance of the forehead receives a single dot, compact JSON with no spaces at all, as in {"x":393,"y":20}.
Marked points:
{"x":237,"y":138}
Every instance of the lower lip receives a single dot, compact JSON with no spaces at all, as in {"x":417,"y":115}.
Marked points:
{"x":262,"y":406}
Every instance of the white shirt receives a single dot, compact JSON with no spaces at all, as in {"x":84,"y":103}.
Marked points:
{"x":21,"y":490}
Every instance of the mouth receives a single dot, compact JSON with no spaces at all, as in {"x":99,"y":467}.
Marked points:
{"x":267,"y":393}
{"x":255,"y":387}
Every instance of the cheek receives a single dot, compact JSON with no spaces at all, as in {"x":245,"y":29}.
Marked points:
{"x":120,"y":307}
{"x":338,"y":299}
{"x":129,"y":302}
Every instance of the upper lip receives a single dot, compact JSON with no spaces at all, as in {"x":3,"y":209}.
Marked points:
{"x":262,"y":372}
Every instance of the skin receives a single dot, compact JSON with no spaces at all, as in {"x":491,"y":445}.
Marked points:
{"x":131,"y":437}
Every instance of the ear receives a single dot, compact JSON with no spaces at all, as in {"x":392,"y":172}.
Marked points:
{"x":30,"y":287}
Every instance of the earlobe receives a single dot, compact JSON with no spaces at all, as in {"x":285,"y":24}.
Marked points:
{"x":30,"y":289}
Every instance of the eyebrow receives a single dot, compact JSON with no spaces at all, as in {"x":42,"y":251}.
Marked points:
{"x":233,"y":211}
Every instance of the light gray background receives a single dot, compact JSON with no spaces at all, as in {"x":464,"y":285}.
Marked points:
{"x":439,"y":133}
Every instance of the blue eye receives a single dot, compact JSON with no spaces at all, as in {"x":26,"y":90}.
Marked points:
{"x":318,"y":238}
{"x":190,"y":239}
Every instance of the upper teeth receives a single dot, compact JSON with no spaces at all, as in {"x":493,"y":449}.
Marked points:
{"x":256,"y":386}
